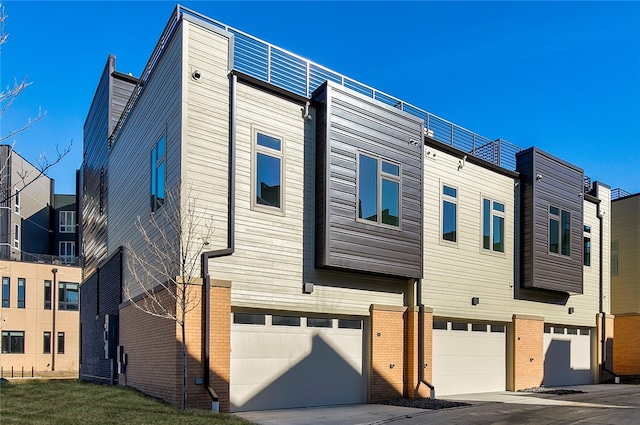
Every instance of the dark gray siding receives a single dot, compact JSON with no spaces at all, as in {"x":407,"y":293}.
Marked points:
{"x":560,"y":184}
{"x":112,"y":94}
{"x":100,"y":294}
{"x":348,"y":123}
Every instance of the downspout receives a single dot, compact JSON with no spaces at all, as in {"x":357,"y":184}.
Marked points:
{"x":205,"y":256}
{"x":421,"y":364}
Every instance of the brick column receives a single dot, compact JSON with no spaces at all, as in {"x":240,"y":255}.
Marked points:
{"x":387,"y":352}
{"x":528,"y":355}
{"x":626,"y":344}
{"x":220,"y":341}
{"x":413,"y":387}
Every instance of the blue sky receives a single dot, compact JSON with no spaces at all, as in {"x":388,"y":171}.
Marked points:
{"x":561,"y":76}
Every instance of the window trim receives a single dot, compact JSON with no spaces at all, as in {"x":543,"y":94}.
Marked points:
{"x":278,"y":154}
{"x":6,"y":283}
{"x":63,"y":300}
{"x":17,"y":201}
{"x":64,"y":226}
{"x":8,"y":334}
{"x":455,"y":201}
{"x":67,"y":258}
{"x":381,"y":176}
{"x":46,"y":348}
{"x":22,"y":294}
{"x":560,"y":220}
{"x":16,"y":236}
{"x":60,"y":343}
{"x":493,"y":213}
{"x":47,"y":284}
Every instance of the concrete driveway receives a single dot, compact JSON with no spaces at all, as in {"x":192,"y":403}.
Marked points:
{"x":600,"y":404}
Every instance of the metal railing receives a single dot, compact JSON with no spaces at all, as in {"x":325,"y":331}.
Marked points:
{"x":269,"y":63}
{"x":28,"y":257}
{"x":618,"y":193}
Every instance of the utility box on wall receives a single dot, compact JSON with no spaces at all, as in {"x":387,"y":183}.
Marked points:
{"x":369,"y":180}
{"x":552,"y":203}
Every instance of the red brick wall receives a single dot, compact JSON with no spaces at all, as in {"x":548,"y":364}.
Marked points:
{"x":626,"y":344}
{"x":528,"y":361}
{"x":387,"y":349}
{"x":220,"y":343}
{"x":413,"y":387}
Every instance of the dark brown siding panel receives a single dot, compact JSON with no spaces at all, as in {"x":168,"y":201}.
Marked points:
{"x":349,"y":123}
{"x":548,"y":181}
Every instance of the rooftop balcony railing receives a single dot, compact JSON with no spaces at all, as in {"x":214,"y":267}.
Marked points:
{"x":298,"y":75}
{"x":618,"y":193}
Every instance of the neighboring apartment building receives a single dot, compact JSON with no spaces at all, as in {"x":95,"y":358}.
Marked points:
{"x":363,"y":249}
{"x":625,"y":281}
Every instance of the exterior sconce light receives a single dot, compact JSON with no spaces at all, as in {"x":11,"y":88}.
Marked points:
{"x":196,"y":75}
{"x":307,"y":287}
{"x":571,"y":310}
{"x":475,"y":301}
{"x":538,"y":177}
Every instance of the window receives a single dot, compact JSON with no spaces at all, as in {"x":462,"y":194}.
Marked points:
{"x":67,"y":296}
{"x":12,"y":342}
{"x":16,"y":236}
{"x":349,"y":324}
{"x":478,"y":327}
{"x":559,"y":231}
{"x":268,"y":170}
{"x":615,"y":258}
{"x":67,"y":221}
{"x":587,"y":251}
{"x":497,"y":328}
{"x":47,"y":295}
{"x":46,"y":343}
{"x":16,"y":199}
{"x":492,"y":225}
{"x":449,"y":213}
{"x":438,"y":324}
{"x":459,"y":326}
{"x":60,"y":342}
{"x":378,"y":190}
{"x":67,"y":252}
{"x":318,"y":322}
{"x":248,"y":319}
{"x":285,"y":320}
{"x":6,"y":292}
{"x":21,"y":292}
{"x":158,"y":161}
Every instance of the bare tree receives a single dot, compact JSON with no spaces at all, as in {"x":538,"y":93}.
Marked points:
{"x":165,"y":263}
{"x":7,"y":98}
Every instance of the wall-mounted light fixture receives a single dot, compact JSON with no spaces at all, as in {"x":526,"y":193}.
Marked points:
{"x":538,"y":177}
{"x":462,"y":162}
{"x":571,"y":310}
{"x":475,"y":301}
{"x":305,"y":112}
{"x":307,"y":287}
{"x":196,"y":75}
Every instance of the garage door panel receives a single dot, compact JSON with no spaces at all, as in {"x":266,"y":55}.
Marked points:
{"x":468,"y":361}
{"x":567,"y":359}
{"x":285,"y":367}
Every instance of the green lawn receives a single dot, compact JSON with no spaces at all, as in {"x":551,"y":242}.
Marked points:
{"x":74,"y":402}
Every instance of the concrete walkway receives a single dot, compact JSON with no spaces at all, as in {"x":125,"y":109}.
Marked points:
{"x":600,"y":404}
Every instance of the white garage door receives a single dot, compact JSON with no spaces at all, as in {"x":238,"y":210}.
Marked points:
{"x":567,"y":356}
{"x":291,"y":361}
{"x":468,"y":357}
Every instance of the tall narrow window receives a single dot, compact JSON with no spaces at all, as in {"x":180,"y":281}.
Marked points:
{"x":492,"y":225}
{"x":16,"y":236}
{"x":60,"y":343}
{"x":449,"y":213}
{"x":67,"y":252}
{"x":6,"y":292}
{"x":268,"y":170}
{"x":615,"y":258}
{"x":47,"y":295}
{"x":46,"y":343}
{"x":158,"y":161}
{"x":21,"y":292}
{"x":378,"y":190}
{"x":67,"y":296}
{"x":587,"y":251}
{"x":16,"y":199}
{"x":67,"y":221}
{"x":559,"y":231}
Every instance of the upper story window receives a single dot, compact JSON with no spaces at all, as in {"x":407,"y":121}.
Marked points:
{"x":67,"y":221}
{"x":449,"y":213}
{"x":559,"y":231}
{"x":378,"y":190}
{"x":615,"y":258}
{"x":16,"y":236}
{"x":67,"y":252}
{"x":16,"y":200}
{"x":6,"y":292}
{"x":492,"y":225}
{"x":21,"y":292}
{"x":268,"y":182}
{"x":586,"y":251}
{"x":47,"y":295}
{"x":67,"y":296}
{"x":158,"y":165}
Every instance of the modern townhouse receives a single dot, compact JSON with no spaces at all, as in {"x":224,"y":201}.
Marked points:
{"x":362,"y":248}
{"x":625,"y":281}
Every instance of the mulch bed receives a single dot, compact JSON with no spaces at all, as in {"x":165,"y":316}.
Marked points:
{"x":558,"y":391}
{"x":423,"y":403}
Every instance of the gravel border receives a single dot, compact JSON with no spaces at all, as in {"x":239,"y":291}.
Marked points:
{"x":423,"y":403}
{"x":558,"y":391}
